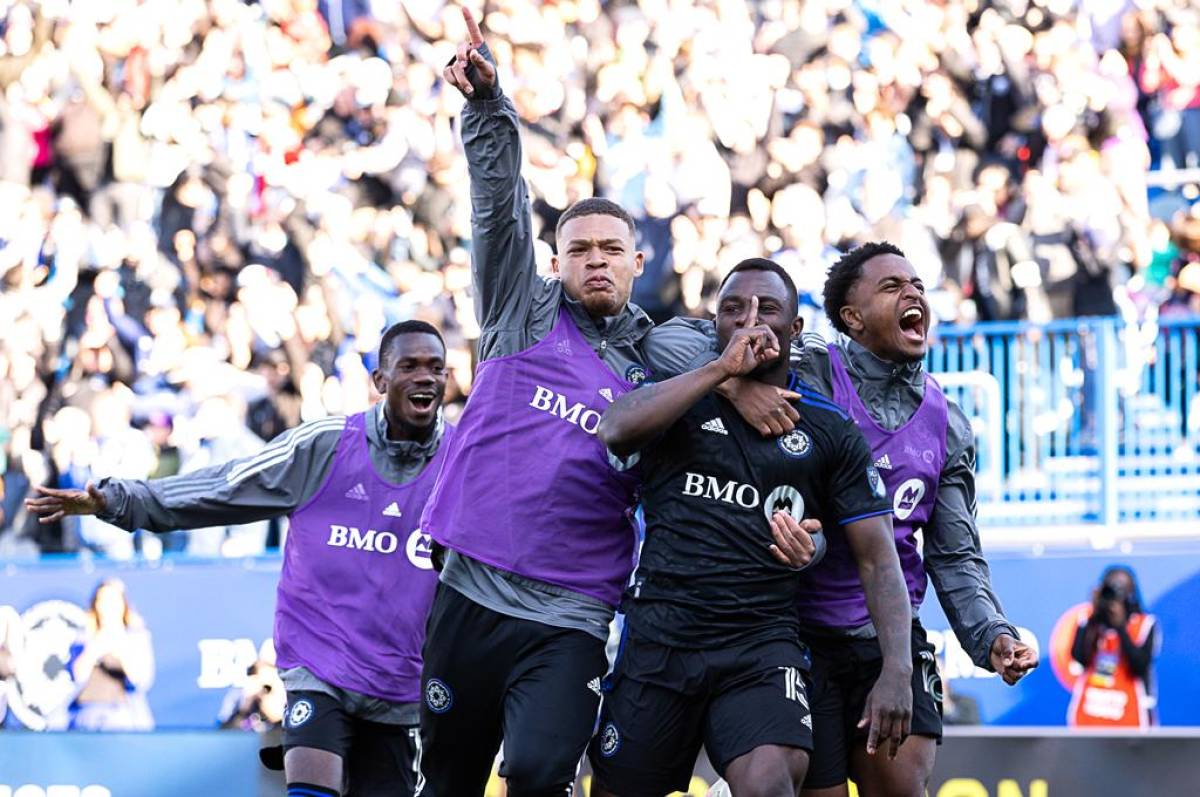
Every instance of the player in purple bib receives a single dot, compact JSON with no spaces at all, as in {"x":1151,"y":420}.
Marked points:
{"x":537,"y":523}
{"x":357,"y":579}
{"x":922,"y":448}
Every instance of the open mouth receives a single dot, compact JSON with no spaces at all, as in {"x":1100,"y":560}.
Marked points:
{"x":912,"y":324}
{"x":422,"y":400}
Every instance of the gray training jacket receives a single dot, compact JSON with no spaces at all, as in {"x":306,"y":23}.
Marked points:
{"x":891,"y":393}
{"x":517,"y":308}
{"x":272,"y":483}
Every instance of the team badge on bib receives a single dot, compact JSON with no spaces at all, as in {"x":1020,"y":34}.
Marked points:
{"x":438,"y":696}
{"x":301,"y":712}
{"x":796,"y":444}
{"x":635,"y":374}
{"x":610,"y":740}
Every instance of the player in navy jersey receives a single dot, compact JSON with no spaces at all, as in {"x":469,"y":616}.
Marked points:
{"x":711,"y":653}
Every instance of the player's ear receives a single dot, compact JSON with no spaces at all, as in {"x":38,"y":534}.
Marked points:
{"x":639,"y":263}
{"x":852,"y":318}
{"x":797,"y":327}
{"x":554,"y":265}
{"x":379,"y":381}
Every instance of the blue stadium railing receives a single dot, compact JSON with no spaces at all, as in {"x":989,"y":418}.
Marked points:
{"x":1087,"y":421}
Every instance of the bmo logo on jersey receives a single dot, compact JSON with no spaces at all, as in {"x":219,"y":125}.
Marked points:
{"x":697,"y":485}
{"x":575,"y":413}
{"x":417,"y":547}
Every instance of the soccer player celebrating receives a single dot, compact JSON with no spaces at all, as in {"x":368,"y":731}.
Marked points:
{"x":923,"y":447}
{"x":537,"y":522}
{"x":357,"y":579}
{"x":711,"y":654}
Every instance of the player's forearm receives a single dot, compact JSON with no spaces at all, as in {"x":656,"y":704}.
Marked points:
{"x":639,"y":417}
{"x":502,"y":259}
{"x":887,"y":596}
{"x":954,"y":561}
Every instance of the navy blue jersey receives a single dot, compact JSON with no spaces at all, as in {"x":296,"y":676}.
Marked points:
{"x":710,"y":485}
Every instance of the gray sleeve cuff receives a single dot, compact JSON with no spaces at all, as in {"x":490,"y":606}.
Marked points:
{"x":116,"y":502}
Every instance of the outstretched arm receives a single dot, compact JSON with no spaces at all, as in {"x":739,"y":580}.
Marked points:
{"x":639,"y":417}
{"x":273,"y":482}
{"x":955,"y":563}
{"x":502,"y":261}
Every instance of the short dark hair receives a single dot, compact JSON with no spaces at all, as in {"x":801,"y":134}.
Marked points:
{"x":763,"y":264}
{"x":410,"y":327}
{"x":845,"y":272}
{"x":594,"y":206}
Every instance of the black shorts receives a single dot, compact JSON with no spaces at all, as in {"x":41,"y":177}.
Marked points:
{"x":662,"y":703}
{"x":378,"y":759}
{"x":487,"y":675}
{"x":843,"y":673}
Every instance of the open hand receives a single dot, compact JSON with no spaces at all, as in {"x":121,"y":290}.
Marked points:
{"x":471,"y":71}
{"x":767,"y":408}
{"x":56,"y":504}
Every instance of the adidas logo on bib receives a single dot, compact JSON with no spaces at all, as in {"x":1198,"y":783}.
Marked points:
{"x":715,"y":425}
{"x":357,"y":492}
{"x":884,"y":463}
{"x":393,"y":510}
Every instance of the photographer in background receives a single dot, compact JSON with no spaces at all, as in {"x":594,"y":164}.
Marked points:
{"x":1115,"y":646}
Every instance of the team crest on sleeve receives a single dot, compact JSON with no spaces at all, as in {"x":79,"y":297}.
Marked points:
{"x":300,"y":713}
{"x":438,"y":696}
{"x":796,"y":443}
{"x":876,"y":482}
{"x":610,"y":740}
{"x":635,"y":374}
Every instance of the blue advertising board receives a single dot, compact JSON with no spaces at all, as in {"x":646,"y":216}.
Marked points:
{"x":1039,"y":592}
{"x":210,"y":619}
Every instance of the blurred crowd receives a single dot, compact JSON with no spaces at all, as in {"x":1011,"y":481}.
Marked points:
{"x":214,"y":207}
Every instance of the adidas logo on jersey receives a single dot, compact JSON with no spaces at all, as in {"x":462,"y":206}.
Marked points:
{"x":715,"y":425}
{"x":393,"y":510}
{"x":607,"y":394}
{"x":594,"y":685}
{"x":884,"y":463}
{"x":357,"y":492}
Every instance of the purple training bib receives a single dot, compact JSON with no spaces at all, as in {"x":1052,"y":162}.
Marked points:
{"x":357,"y":578}
{"x":910,"y":461}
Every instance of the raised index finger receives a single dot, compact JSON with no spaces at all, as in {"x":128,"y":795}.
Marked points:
{"x":752,"y":321}
{"x":472,"y":27}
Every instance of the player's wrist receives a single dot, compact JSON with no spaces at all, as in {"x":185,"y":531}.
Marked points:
{"x":896,"y":668}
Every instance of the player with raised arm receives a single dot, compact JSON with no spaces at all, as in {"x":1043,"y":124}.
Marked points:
{"x":357,"y":579}
{"x":711,"y":653}
{"x":537,"y":519}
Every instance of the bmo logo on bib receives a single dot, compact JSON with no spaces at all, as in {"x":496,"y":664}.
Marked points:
{"x":908,"y":495}
{"x":420,"y":550}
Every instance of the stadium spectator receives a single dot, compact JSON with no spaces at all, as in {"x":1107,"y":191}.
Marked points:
{"x":113,"y":665}
{"x":217,"y":198}
{"x":1115,"y":645}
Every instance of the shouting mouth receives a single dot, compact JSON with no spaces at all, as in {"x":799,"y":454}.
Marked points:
{"x":912,"y":324}
{"x":422,"y":400}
